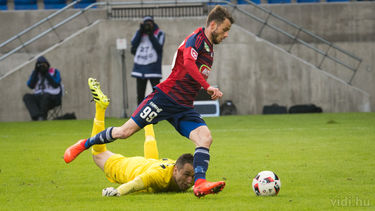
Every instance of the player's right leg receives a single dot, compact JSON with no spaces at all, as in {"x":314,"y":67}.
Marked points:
{"x":99,"y":151}
{"x":101,"y":103}
{"x":150,"y":147}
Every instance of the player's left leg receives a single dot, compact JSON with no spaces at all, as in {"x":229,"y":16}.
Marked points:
{"x":192,"y":126}
{"x":201,"y":136}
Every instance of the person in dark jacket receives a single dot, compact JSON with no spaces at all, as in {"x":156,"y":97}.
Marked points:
{"x":46,"y":83}
{"x":147,"y":48}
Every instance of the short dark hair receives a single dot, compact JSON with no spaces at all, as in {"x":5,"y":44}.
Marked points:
{"x":219,"y":14}
{"x":184,"y":159}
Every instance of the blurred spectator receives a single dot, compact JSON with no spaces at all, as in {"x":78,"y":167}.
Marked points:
{"x":46,"y":82}
{"x":147,"y":46}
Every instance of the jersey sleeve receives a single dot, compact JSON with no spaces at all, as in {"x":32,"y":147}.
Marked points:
{"x":154,"y":178}
{"x":190,"y":54}
{"x":130,"y":187}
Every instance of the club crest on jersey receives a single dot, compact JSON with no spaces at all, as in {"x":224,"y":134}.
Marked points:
{"x":205,"y":70}
{"x":206,"y":47}
{"x":194,"y":53}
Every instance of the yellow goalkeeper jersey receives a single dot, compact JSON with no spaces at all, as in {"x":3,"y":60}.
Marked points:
{"x":155,"y":174}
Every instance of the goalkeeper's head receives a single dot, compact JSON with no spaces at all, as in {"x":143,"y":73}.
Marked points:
{"x":183,"y":172}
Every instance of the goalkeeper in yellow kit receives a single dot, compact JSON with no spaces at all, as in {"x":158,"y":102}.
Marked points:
{"x":148,"y":173}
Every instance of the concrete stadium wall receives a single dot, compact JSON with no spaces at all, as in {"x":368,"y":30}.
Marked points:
{"x":336,"y":22}
{"x":350,"y":26}
{"x":266,"y":74}
{"x":13,"y":22}
{"x":365,"y":76}
{"x":249,"y":71}
{"x":93,"y":53}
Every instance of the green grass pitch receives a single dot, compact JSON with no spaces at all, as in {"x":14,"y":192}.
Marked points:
{"x":324,"y":161}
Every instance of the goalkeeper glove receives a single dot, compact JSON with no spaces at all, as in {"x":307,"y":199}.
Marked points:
{"x":110,"y":192}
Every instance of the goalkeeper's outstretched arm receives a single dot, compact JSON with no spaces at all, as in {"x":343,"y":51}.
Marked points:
{"x":129,"y":187}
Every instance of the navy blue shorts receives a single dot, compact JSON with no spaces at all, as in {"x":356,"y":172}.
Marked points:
{"x":158,"y":106}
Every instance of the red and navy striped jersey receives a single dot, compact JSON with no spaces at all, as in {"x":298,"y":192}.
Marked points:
{"x":190,"y":69}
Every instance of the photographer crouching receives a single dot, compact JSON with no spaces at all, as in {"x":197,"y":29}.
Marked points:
{"x":147,"y":46}
{"x":46,"y":83}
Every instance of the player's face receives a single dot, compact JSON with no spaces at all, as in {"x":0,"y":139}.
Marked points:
{"x":184,"y":177}
{"x":221,"y":31}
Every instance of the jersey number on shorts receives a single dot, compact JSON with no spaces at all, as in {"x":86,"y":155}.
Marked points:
{"x":148,"y":114}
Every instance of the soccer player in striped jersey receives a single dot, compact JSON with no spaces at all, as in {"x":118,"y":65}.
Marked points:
{"x":172,"y":100}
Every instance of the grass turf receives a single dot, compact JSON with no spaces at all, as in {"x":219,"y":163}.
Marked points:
{"x":324,"y":161}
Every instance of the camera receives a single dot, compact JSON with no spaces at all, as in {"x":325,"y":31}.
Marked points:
{"x":147,"y":27}
{"x":42,"y":68}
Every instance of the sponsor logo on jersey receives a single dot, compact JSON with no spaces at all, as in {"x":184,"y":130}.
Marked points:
{"x":205,"y":70}
{"x":194,"y":53}
{"x":206,"y":47}
{"x":158,"y":110}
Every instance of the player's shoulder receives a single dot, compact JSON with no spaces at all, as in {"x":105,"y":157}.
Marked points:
{"x":196,"y":38}
{"x":159,"y":170}
{"x":163,"y":164}
{"x":167,"y":161}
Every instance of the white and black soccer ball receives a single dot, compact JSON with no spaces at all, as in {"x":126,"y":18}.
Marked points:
{"x":266,"y":183}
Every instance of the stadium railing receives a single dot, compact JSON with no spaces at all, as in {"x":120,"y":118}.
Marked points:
{"x":160,"y":11}
{"x":180,"y":8}
{"x":350,"y":62}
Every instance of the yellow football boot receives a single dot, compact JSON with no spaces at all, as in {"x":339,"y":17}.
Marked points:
{"x":97,"y":94}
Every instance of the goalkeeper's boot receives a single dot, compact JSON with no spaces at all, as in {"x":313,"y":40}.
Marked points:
{"x":97,"y":94}
{"x":202,"y":187}
{"x":73,"y":151}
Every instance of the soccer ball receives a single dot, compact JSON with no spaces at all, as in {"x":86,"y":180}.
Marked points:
{"x":266,"y":183}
